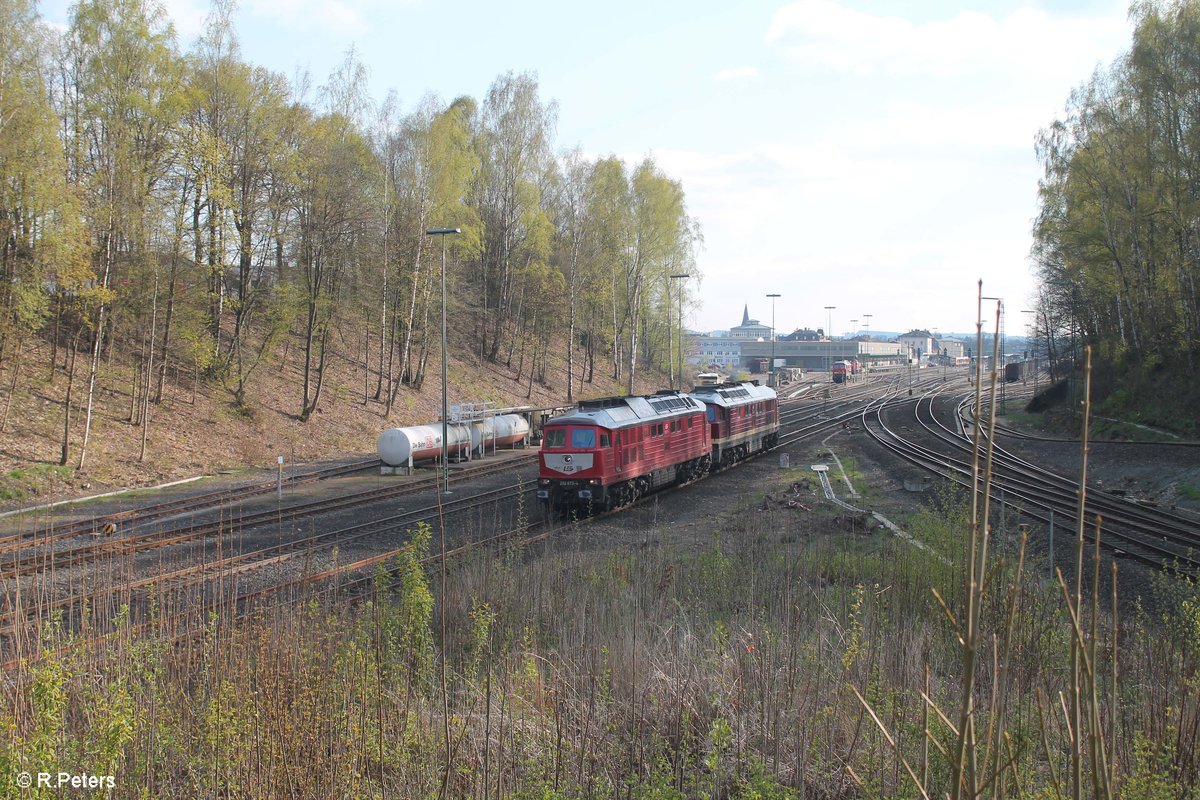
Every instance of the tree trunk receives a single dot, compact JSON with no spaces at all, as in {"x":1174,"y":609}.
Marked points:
{"x":66,"y":439}
{"x":168,"y":319}
{"x":12,"y":387}
{"x":98,"y":338}
{"x":149,"y":370}
{"x":406,"y":350}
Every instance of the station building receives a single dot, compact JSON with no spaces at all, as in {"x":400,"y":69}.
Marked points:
{"x":745,"y":346}
{"x":819,"y":355}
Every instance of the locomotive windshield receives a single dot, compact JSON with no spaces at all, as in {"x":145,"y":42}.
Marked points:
{"x":556,"y":437}
{"x":583,"y":437}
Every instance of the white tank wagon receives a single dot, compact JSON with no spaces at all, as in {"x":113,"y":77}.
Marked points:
{"x":401,"y":448}
{"x":503,"y":430}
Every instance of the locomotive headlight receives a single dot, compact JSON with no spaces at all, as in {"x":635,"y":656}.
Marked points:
{"x":593,"y":482}
{"x":543,"y":481}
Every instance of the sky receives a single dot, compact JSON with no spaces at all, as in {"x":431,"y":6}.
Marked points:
{"x":869,"y":155}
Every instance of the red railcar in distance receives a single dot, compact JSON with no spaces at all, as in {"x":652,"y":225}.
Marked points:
{"x":840,"y":372}
{"x":610,"y":451}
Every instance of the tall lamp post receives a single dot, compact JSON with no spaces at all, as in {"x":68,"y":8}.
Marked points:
{"x":829,"y":337}
{"x":1033,"y":348}
{"x":854,"y":336}
{"x":771,"y":371}
{"x":867,"y":318}
{"x":443,"y":232}
{"x":1000,"y":350}
{"x":681,"y":276}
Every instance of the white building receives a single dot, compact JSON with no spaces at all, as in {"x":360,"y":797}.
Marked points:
{"x":918,"y":343}
{"x":721,"y":351}
{"x":724,"y":348}
{"x":750,"y":328}
{"x":952,"y":348}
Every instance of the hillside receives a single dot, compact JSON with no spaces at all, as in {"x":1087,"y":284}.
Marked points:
{"x":198,"y":430}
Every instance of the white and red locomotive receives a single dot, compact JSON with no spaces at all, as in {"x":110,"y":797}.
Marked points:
{"x":610,"y":451}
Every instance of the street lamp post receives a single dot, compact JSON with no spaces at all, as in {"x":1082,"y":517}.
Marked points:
{"x":443,"y":232}
{"x":771,"y":371}
{"x":854,"y":336}
{"x":1033,"y":349}
{"x":1000,"y":350}
{"x":829,"y":337}
{"x":683,"y":276}
{"x":867,"y":318}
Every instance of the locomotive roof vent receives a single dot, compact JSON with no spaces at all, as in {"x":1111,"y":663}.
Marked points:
{"x":673,"y":403}
{"x":601,"y":402}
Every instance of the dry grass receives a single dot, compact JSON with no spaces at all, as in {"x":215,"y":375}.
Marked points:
{"x":204,"y":432}
{"x":727,"y":668}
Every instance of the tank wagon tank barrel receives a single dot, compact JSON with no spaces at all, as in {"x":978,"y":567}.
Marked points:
{"x":402,"y":448}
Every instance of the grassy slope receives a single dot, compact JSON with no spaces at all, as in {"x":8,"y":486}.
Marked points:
{"x":203,"y":433}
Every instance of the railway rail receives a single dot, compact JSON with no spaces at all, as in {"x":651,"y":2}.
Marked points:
{"x":142,"y":514}
{"x":1150,"y":536}
{"x":39,"y":558}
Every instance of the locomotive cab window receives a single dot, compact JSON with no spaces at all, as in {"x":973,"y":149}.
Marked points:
{"x":583,"y":437}
{"x":604,"y":440}
{"x":556,"y":437}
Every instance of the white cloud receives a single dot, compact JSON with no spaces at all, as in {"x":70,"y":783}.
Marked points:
{"x":734,"y":73}
{"x":1027,"y":41}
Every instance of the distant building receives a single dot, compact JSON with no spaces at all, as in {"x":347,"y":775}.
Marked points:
{"x":804,"y":335}
{"x":724,"y":348}
{"x":750,"y":328}
{"x":718,"y":351}
{"x":952,"y":348}
{"x":917,"y":343}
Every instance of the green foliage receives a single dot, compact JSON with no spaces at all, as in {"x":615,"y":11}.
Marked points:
{"x":1152,"y":775}
{"x":1113,"y":241}
{"x":760,"y":785}
{"x":32,"y":480}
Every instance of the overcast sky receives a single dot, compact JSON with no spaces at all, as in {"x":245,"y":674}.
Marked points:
{"x":874,"y":156}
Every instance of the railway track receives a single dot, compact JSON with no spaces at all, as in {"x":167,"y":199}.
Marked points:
{"x":184,"y":582}
{"x":135,"y":517}
{"x":1149,"y":536}
{"x":40,"y":557}
{"x":178,"y":603}
{"x":194,"y":585}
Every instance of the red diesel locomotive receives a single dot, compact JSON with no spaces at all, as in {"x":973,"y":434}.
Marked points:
{"x":610,"y":451}
{"x":743,"y":417}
